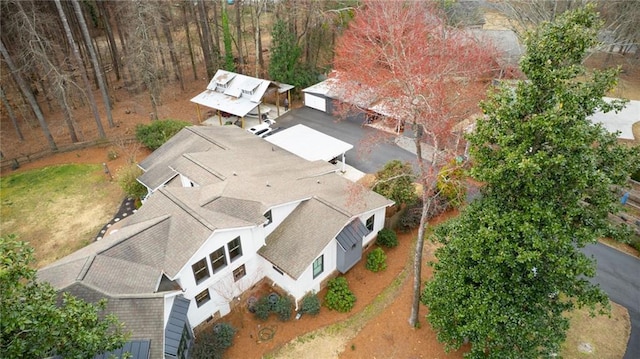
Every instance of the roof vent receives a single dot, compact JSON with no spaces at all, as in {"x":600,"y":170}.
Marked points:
{"x":268,"y":185}
{"x":318,"y":181}
{"x":234,"y":173}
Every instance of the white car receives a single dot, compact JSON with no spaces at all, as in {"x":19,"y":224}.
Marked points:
{"x":259,"y":128}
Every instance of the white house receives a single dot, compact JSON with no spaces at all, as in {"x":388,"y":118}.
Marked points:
{"x":226,"y":210}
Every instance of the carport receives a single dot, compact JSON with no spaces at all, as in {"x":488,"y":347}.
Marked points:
{"x":238,"y":95}
{"x":310,"y":144}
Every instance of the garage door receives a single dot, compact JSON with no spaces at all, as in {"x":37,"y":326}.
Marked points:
{"x":313,"y":101}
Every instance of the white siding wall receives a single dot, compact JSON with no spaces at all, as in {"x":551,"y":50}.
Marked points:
{"x":278,"y":215}
{"x":306,"y":282}
{"x":378,"y":224}
{"x":225,"y":287}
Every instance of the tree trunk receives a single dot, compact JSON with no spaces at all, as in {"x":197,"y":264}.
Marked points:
{"x":115,"y":57}
{"x":185,"y":23}
{"x":78,"y":63}
{"x":238,"y":6}
{"x":204,"y":39}
{"x":94,"y":60}
{"x":216,"y":31}
{"x":61,"y":96}
{"x":26,"y":91}
{"x":177,"y":70}
{"x":12,"y":115}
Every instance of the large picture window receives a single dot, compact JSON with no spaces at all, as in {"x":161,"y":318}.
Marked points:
{"x":235,"y":249}
{"x":318,"y":266}
{"x":202,"y":297}
{"x":218,"y":260}
{"x":370,"y":221}
{"x":200,"y":270}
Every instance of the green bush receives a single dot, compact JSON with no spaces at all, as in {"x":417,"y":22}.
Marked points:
{"x":339,"y":297}
{"x":451,"y":183}
{"x":213,"y":343}
{"x":262,"y":308}
{"x":283,"y":308}
{"x":310,"y":304}
{"x":127,"y":178}
{"x":636,"y":176}
{"x":387,"y":238}
{"x":376,"y":260}
{"x":157,"y":133}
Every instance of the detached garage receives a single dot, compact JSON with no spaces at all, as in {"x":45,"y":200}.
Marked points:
{"x":319,"y":97}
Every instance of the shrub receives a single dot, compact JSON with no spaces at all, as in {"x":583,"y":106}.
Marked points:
{"x":410,"y":219}
{"x":636,"y":176}
{"x":127,"y":178}
{"x":157,"y":133}
{"x":376,"y":260}
{"x":339,"y":297}
{"x":283,"y":308}
{"x":262,"y":308}
{"x":395,"y":181}
{"x":387,"y":238}
{"x":213,"y":343}
{"x":310,"y":304}
{"x":451,"y":183}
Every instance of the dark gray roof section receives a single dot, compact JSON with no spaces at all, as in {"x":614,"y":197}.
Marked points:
{"x":135,"y":349}
{"x":177,"y":321}
{"x":352,"y":234}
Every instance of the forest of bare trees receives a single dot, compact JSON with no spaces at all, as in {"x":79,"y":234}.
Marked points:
{"x":66,"y":55}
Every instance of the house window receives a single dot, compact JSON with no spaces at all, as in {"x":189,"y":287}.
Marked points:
{"x":239,"y":273}
{"x":235,"y":249}
{"x":269,"y":217}
{"x":318,"y":266}
{"x":200,"y":270}
{"x":185,"y":340}
{"x":370,"y":222}
{"x":218,"y":259}
{"x":202,"y":297}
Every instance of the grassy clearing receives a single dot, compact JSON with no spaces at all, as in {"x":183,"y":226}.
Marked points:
{"x":57,"y":209}
{"x":598,"y":337}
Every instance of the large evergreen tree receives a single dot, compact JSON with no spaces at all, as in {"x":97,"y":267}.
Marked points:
{"x":35,"y":324}
{"x":511,"y":264}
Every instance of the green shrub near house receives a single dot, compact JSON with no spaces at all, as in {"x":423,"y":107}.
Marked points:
{"x":310,"y":304}
{"x":157,"y":133}
{"x":214,"y":342}
{"x":376,"y":260}
{"x":387,"y":238}
{"x":339,"y":297}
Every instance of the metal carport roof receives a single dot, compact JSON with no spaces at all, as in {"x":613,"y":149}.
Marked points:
{"x":309,"y":144}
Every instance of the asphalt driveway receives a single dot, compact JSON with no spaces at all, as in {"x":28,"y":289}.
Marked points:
{"x":618,"y":274}
{"x":372,"y":148}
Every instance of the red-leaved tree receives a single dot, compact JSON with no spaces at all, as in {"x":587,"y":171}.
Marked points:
{"x":401,"y":58}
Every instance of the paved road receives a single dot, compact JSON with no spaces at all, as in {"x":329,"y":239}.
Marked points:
{"x":618,"y":274}
{"x":372,"y":148}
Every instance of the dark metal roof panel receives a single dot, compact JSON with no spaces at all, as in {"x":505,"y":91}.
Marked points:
{"x":175,"y":325}
{"x":138,"y":349}
{"x":352,"y":233}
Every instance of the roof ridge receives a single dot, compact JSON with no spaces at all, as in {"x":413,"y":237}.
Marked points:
{"x":191,"y":158}
{"x":185,"y":207}
{"x":196,"y":130}
{"x":333,"y":206}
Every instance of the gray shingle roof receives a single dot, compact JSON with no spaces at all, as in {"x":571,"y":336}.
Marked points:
{"x":143,"y":316}
{"x":302,"y":236}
